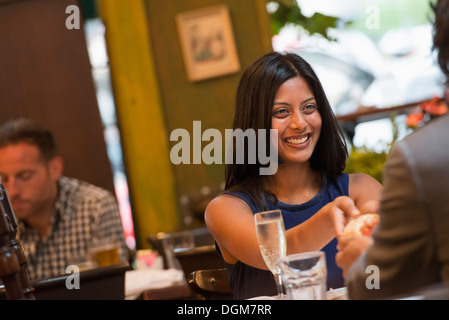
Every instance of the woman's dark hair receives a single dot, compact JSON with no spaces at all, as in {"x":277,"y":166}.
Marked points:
{"x":253,"y":110}
{"x":29,"y":131}
{"x":441,"y":34}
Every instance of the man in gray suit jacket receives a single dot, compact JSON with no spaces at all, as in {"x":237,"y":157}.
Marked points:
{"x":409,"y":249}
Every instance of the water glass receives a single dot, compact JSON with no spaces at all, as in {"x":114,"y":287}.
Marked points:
{"x":304,"y":275}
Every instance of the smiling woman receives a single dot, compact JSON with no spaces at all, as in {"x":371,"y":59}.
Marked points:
{"x":297,"y":119}
{"x":281,"y":92}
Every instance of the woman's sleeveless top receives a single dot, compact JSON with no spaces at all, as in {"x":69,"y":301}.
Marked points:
{"x":246,"y":281}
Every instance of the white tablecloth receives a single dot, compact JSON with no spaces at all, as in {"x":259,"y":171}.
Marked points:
{"x":137,"y":281}
{"x":333,"y":294}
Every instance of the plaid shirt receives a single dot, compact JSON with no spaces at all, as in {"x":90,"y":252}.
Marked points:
{"x":83,"y":212}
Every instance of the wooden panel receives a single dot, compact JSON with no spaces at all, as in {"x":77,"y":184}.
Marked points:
{"x":144,"y":136}
{"x":210,"y":101}
{"x":46,"y":75}
{"x":154,"y":97}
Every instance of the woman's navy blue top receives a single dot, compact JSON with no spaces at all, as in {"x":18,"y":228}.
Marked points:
{"x":246,"y":281}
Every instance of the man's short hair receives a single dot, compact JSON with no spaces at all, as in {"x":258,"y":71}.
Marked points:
{"x":25,"y":130}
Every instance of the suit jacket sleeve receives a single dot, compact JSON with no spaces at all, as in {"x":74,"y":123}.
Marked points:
{"x":402,"y":250}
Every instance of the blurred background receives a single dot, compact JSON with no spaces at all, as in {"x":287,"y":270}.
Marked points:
{"x":114,"y":87}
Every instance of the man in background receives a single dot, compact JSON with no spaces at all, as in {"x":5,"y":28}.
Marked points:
{"x":60,"y":218}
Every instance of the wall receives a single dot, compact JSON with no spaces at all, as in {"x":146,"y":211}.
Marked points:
{"x":154,"y":97}
{"x":46,"y":75}
{"x":210,"y":101}
{"x":139,"y":111}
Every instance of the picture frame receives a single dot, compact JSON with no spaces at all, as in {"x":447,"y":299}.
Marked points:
{"x":207,"y":43}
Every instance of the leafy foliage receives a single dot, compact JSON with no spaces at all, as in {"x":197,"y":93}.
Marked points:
{"x":288,"y":11}
{"x":366,"y":161}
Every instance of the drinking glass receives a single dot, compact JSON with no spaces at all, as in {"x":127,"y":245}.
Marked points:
{"x":304,"y":275}
{"x":103,"y":253}
{"x":271,"y":237}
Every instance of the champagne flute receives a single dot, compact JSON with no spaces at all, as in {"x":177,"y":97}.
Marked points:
{"x":271,"y":237}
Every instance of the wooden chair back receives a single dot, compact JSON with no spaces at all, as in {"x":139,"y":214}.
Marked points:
{"x":211,"y":284}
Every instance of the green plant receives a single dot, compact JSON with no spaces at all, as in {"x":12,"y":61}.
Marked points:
{"x":288,"y":12}
{"x":367,"y":161}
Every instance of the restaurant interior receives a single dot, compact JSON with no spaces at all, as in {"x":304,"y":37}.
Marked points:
{"x":120,"y":82}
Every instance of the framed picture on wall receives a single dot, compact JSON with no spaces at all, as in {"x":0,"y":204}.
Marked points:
{"x":207,"y":43}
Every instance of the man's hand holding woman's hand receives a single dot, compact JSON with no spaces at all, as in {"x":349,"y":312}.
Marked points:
{"x":350,"y":247}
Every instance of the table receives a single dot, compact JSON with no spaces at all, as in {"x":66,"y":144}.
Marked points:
{"x":156,"y":284}
{"x":332,"y":294}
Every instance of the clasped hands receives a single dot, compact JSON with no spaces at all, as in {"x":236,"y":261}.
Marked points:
{"x":350,"y":247}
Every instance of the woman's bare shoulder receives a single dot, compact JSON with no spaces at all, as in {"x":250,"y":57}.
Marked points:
{"x":363,"y":187}
{"x":361,"y":178}
{"x":225,"y":202}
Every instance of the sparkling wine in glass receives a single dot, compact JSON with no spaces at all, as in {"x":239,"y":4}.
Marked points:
{"x":271,"y":236}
